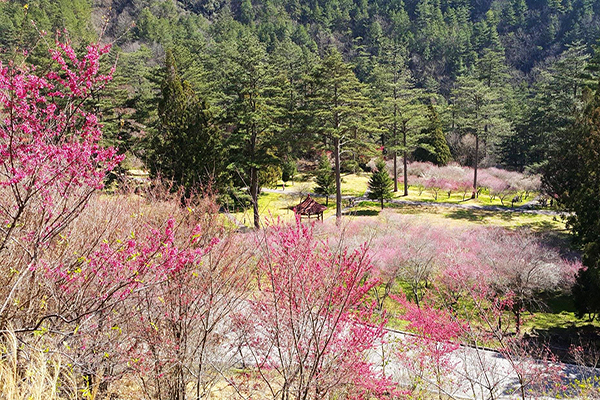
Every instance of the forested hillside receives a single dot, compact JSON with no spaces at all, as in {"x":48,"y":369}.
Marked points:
{"x":520,"y":55}
{"x":441,"y":37}
{"x":234,"y":93}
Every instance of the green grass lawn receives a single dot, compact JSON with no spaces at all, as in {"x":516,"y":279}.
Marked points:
{"x":557,"y":323}
{"x":456,"y":216}
{"x":270,"y":205}
{"x":484,"y":197}
{"x":278,"y":206}
{"x":558,"y":314}
{"x":352,"y":185}
{"x":357,"y":184}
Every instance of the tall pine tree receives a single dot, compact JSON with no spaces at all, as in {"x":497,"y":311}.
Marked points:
{"x":186,"y":146}
{"x":252,"y":109}
{"x":401,"y":107}
{"x":479,"y":111}
{"x":571,"y":174}
{"x":339,"y":111}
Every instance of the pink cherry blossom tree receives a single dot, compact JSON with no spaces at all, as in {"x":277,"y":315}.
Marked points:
{"x":410,"y":254}
{"x":180,"y":325}
{"x":311,"y":325}
{"x":51,"y":162}
{"x":522,"y":266}
{"x":427,"y":354}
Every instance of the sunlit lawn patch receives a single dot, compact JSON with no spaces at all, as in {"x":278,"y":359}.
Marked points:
{"x":461,"y":216}
{"x":456,"y":197}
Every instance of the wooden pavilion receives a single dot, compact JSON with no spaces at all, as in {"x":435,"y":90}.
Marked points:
{"x":310,"y":207}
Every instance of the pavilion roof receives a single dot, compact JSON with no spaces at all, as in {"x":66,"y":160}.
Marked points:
{"x":309,"y":207}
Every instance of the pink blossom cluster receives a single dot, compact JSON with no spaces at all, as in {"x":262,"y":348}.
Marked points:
{"x":454,"y":178}
{"x":51,"y":158}
{"x":459,"y":286}
{"x":312,"y":320}
{"x":498,"y":262}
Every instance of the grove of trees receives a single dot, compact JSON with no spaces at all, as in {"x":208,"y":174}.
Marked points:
{"x":223,"y":94}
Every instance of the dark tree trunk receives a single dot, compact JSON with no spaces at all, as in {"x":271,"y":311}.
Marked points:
{"x":254,"y":195}
{"x":395,"y":138}
{"x":475,"y":166}
{"x":338,"y":181}
{"x":395,"y":171}
{"x":405,"y":162}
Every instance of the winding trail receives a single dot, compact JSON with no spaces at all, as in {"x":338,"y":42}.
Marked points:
{"x":477,"y":373}
{"x":467,"y":372}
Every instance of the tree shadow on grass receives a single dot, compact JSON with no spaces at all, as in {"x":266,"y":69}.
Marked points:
{"x":561,"y":340}
{"x":559,"y":329}
{"x":363,"y":213}
{"x":540,"y":226}
{"x":526,"y":221}
{"x":470,"y":215}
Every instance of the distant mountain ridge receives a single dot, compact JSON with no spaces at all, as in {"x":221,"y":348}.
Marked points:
{"x":441,"y":36}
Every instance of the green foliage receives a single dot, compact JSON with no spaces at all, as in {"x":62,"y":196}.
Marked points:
{"x":433,"y":147}
{"x":251,"y":110}
{"x":338,"y":107}
{"x":325,"y":179}
{"x":268,"y":176}
{"x":21,"y":22}
{"x":572,"y":175}
{"x":556,"y":104}
{"x":246,"y":12}
{"x":128,"y":109}
{"x":401,"y":105}
{"x":478,"y":109}
{"x":339,"y":112}
{"x":380,"y":184}
{"x":292,"y":65}
{"x":186,"y":146}
{"x":289,"y":169}
{"x":587,"y":287}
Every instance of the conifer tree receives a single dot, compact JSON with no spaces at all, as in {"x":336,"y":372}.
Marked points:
{"x":558,"y":101}
{"x":380,"y":184}
{"x":126,"y":111}
{"x":186,"y":146}
{"x":401,"y":107}
{"x":491,"y":68}
{"x":325,"y":179}
{"x":479,"y":111}
{"x":432,"y":146}
{"x":251,"y":109}
{"x":339,"y":111}
{"x":571,"y":174}
{"x":292,"y":65}
{"x":480,"y":97}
